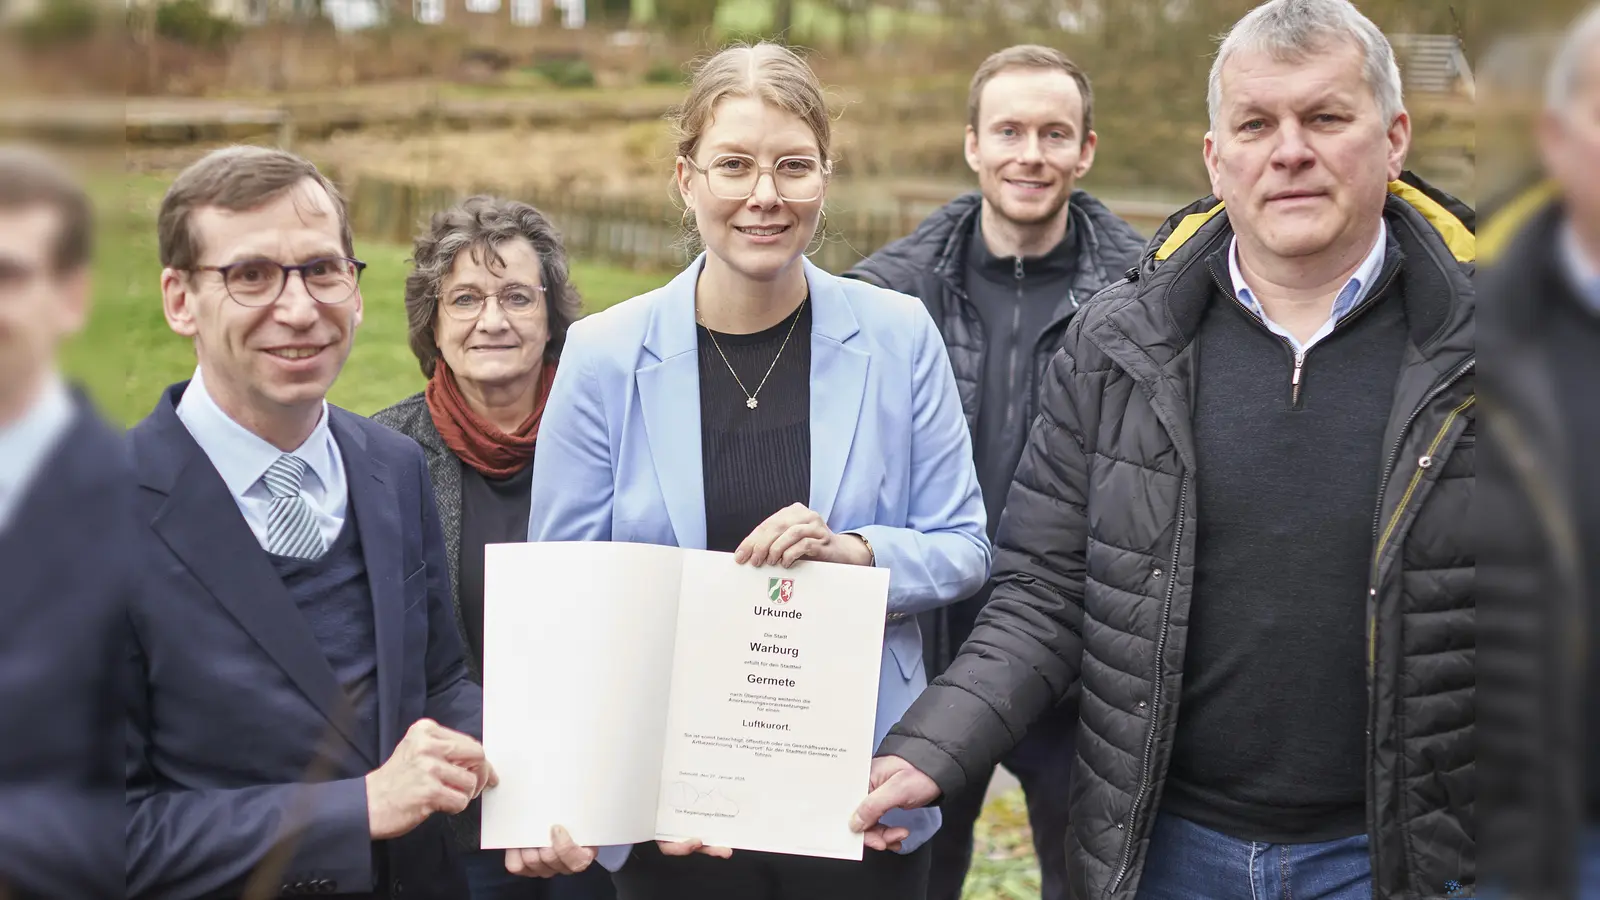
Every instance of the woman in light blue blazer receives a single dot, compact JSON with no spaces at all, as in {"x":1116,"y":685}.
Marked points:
{"x":759,"y":405}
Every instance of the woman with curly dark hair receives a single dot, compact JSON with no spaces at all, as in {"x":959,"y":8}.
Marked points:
{"x":488,"y":303}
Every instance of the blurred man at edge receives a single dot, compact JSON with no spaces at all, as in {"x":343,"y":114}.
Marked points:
{"x":1539,"y":506}
{"x":64,"y":538}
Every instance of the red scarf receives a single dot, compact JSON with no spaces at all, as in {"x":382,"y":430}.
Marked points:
{"x":476,"y":440}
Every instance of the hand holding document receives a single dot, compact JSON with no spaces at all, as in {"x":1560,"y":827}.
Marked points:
{"x":635,"y":692}
{"x":562,"y":857}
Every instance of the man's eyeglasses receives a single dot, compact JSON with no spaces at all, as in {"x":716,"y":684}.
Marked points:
{"x":467,"y":304}
{"x":734,"y":176}
{"x":259,"y":282}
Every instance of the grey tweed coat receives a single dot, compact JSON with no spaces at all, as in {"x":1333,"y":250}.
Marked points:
{"x":411,"y":418}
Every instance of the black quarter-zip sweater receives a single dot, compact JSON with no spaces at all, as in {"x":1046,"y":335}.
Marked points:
{"x":1271,"y":739}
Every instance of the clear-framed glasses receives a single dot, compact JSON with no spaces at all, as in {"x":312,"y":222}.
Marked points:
{"x":467,"y":304}
{"x":330,"y":280}
{"x":734,"y":176}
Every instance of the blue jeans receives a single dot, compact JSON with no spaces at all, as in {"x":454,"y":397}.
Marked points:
{"x":488,"y":879}
{"x":1589,"y":866}
{"x":1188,"y":862}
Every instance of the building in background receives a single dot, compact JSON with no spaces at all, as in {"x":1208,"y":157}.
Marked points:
{"x":524,"y":13}
{"x":1433,"y":64}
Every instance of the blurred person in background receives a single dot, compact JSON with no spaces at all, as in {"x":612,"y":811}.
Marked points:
{"x":1241,"y":522}
{"x":760,"y":406}
{"x":488,"y":303}
{"x":299,"y":709}
{"x":1002,"y":270}
{"x":1539,"y":506}
{"x":66,"y":530}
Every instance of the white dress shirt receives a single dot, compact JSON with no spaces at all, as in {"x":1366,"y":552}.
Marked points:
{"x":1584,"y":272}
{"x":241,"y":457}
{"x":1350,"y":296}
{"x":26,"y":443}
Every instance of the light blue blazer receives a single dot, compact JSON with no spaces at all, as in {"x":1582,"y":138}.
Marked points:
{"x":619,"y":453}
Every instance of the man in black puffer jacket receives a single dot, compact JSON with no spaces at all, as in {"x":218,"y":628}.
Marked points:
{"x":1241,"y":522}
{"x":1002,"y":270}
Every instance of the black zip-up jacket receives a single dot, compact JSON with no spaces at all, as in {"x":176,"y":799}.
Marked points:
{"x":1095,"y":567}
{"x":932,"y":263}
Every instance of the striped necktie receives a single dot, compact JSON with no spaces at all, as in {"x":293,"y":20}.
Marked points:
{"x":291,"y":525}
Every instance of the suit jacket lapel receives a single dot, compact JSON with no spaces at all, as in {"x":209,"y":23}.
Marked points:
{"x":201,"y":524}
{"x":838,"y":384}
{"x":378,"y":518}
{"x":669,"y":396}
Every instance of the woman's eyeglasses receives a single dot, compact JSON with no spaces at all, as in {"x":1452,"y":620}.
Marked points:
{"x":734,"y":176}
{"x":467,"y":304}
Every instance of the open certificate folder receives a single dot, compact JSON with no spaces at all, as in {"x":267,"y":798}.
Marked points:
{"x":635,"y":692}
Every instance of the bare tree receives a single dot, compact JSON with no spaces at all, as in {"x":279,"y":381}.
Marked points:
{"x":782,"y":18}
{"x":686,"y":17}
{"x":853,"y":24}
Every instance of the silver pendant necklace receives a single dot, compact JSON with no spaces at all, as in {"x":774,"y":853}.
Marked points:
{"x":750,"y":401}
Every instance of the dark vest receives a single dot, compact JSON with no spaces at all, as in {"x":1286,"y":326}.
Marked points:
{"x":333,"y":594}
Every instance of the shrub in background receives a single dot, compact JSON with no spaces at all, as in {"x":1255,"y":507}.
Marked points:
{"x":564,"y":73}
{"x":60,"y":22}
{"x":191,"y":22}
{"x":663,"y":72}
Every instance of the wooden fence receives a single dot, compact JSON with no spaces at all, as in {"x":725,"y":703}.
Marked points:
{"x":641,"y":234}
{"x":648,"y":234}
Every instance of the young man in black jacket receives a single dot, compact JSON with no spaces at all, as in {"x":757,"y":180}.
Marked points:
{"x":1003,"y":270}
{"x":1241,"y":523}
{"x":1539,"y":507}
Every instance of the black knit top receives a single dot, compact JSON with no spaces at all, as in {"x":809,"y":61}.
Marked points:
{"x":754,"y":461}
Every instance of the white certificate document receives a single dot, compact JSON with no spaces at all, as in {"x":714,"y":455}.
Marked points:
{"x":634,"y":692}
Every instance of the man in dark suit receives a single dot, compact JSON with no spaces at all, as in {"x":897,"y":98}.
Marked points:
{"x":64,"y":534}
{"x":300,"y":708}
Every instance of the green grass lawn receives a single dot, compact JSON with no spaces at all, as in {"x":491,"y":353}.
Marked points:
{"x":128,"y":355}
{"x":1003,"y":863}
